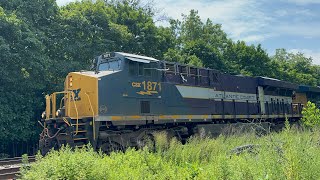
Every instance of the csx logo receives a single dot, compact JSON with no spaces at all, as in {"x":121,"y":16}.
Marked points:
{"x":136,"y":84}
{"x":76,"y":94}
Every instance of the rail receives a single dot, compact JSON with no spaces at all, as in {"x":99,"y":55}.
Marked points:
{"x":15,"y":160}
{"x":9,"y":167}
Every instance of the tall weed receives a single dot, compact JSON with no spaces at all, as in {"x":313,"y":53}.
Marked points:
{"x":290,"y":154}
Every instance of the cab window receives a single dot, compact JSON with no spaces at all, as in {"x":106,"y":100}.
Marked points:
{"x":133,"y":68}
{"x":147,"y":69}
{"x":110,"y":65}
{"x":139,"y":69}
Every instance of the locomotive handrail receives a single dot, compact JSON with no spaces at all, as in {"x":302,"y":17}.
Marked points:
{"x":297,"y":108}
{"x":48,"y":107}
{"x":93,"y":126}
{"x":75,"y":106}
{"x":61,"y":102}
{"x":51,"y":110}
{"x":53,"y":98}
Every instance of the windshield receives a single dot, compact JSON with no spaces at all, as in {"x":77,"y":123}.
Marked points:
{"x":110,"y":65}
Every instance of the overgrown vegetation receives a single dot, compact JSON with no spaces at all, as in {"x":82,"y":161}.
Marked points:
{"x":291,"y":154}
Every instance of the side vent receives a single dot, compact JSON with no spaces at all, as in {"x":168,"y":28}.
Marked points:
{"x":145,"y":106}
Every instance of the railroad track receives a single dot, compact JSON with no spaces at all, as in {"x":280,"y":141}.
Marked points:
{"x":9,"y":167}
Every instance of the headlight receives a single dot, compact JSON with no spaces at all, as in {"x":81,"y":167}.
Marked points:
{"x":58,"y":113}
{"x":70,"y":81}
{"x":43,"y":115}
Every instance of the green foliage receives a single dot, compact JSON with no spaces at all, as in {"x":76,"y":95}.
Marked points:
{"x":23,"y":76}
{"x":197,"y":43}
{"x":247,"y":60}
{"x":291,"y":154}
{"x":311,"y":115}
{"x":295,"y":68}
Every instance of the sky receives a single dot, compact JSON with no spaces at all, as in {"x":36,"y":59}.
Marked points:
{"x":290,"y":24}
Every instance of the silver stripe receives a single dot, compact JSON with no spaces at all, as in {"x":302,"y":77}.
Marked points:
{"x":207,"y":93}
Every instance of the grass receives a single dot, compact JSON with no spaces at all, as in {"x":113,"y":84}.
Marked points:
{"x":290,"y":154}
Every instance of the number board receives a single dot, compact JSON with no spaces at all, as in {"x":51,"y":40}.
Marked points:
{"x":147,"y":87}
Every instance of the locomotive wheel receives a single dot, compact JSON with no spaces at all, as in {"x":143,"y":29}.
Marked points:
{"x":110,"y":146}
{"x":147,"y":141}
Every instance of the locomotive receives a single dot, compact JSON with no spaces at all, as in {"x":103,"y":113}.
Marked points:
{"x":126,"y":98}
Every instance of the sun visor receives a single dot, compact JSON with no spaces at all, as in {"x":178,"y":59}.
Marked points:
{"x":138,"y":60}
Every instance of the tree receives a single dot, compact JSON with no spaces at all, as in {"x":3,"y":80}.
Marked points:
{"x":23,"y":67}
{"x":208,"y":43}
{"x":198,"y":40}
{"x":247,"y":60}
{"x":295,"y":68}
{"x":145,"y":38}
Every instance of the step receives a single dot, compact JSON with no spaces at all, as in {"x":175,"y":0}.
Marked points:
{"x":79,"y":143}
{"x":80,"y":128}
{"x":79,"y":124}
{"x":80,"y":139}
{"x":79,"y":135}
{"x":81,"y":146}
{"x":81,"y":131}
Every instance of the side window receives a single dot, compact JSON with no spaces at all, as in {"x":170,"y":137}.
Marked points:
{"x":147,"y":69}
{"x":141,"y":68}
{"x":133,"y":69}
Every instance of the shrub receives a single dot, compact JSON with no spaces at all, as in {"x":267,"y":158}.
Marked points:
{"x":311,"y":115}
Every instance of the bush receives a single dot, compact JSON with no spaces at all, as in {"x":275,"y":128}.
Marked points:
{"x":311,"y":115}
{"x":291,"y":154}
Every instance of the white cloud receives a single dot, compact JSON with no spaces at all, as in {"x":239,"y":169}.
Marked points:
{"x":294,"y":12}
{"x":281,"y":12}
{"x":240,"y":19}
{"x":303,"y":2}
{"x":257,"y":37}
{"x":303,"y":29}
{"x":315,"y":55}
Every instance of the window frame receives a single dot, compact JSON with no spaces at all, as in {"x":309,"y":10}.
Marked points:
{"x":108,"y":64}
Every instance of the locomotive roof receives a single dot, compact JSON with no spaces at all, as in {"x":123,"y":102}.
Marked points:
{"x":305,"y":88}
{"x":135,"y":57}
{"x":265,"y":81}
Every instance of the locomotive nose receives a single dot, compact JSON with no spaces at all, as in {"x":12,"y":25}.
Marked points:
{"x":84,"y":95}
